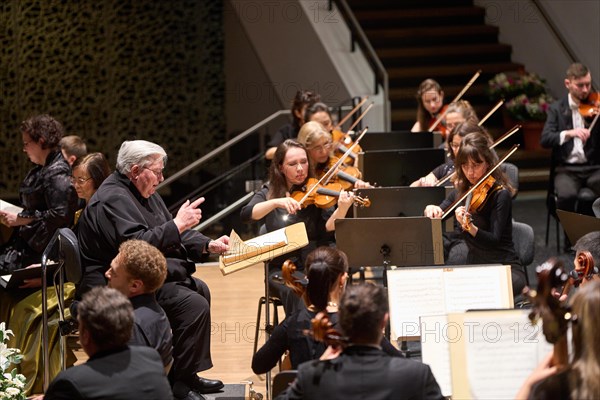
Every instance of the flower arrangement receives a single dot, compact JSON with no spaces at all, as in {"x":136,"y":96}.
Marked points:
{"x":525,"y":95}
{"x":12,"y":384}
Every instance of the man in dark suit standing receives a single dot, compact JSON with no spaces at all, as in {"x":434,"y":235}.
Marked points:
{"x":575,"y":149}
{"x":362,"y":370}
{"x":114,"y":370}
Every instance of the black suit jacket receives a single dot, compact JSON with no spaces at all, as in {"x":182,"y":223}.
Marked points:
{"x":364,"y":373}
{"x":128,"y":373}
{"x":560,"y":119}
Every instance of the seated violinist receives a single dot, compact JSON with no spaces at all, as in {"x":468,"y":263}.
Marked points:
{"x":454,"y":138}
{"x":319,"y":112}
{"x":318,"y":142}
{"x":327,"y":275}
{"x":579,"y":378}
{"x":280,"y":203}
{"x":430,"y":99}
{"x":487,"y":223}
{"x":575,"y":149}
{"x":362,"y":370}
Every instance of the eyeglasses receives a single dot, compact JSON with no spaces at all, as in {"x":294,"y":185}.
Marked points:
{"x":156,"y":173}
{"x":79,"y":181}
{"x":326,"y":147}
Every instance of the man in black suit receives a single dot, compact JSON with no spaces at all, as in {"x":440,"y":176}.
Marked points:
{"x":576,"y":149}
{"x":362,"y":370}
{"x":114,"y":370}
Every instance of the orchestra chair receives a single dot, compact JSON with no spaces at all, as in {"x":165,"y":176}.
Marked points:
{"x":512,"y":172}
{"x":523,"y":239}
{"x":281,"y":381}
{"x":63,"y":248}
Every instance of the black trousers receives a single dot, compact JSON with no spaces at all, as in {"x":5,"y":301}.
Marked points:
{"x":187,"y":305}
{"x":569,"y":180}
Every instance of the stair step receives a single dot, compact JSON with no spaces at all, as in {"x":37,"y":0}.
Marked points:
{"x":379,"y":19}
{"x":406,"y":117}
{"x":450,"y":54}
{"x":408,"y":93}
{"x":432,"y":35}
{"x":448,"y":74}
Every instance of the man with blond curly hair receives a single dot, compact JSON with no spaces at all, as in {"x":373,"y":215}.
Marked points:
{"x":138,"y":271}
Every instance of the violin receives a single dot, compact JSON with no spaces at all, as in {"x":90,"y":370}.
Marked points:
{"x":295,"y":280}
{"x":478,"y":198}
{"x":554,"y":314}
{"x":590,"y":107}
{"x":323,"y":196}
{"x":343,"y":141}
{"x":322,"y":330}
{"x":347,"y":175}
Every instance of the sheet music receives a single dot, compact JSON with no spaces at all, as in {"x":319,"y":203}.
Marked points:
{"x":435,"y":350}
{"x":477,"y":287}
{"x":240,"y":250}
{"x":414,"y":293}
{"x":6,"y":206}
{"x":502,"y":349}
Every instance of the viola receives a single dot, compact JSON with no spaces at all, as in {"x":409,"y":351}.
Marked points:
{"x":590,"y":107}
{"x":322,"y":330}
{"x":584,"y":271}
{"x":554,"y":314}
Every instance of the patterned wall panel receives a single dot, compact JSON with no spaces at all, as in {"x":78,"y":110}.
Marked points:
{"x":112,"y":70}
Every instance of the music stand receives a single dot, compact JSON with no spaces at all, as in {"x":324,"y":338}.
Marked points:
{"x":398,"y":167}
{"x":400,"y":140}
{"x":263,"y":249}
{"x":577,"y":225}
{"x":401,"y":201}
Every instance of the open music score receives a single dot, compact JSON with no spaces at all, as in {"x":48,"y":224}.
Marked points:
{"x":243,"y":254}
{"x":6,"y":206}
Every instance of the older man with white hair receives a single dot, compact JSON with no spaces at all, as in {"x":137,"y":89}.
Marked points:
{"x":126,"y":206}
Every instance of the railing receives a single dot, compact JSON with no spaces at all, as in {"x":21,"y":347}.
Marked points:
{"x":357,"y":36}
{"x":563,"y":42}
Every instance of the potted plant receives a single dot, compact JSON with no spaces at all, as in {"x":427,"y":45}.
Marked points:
{"x":12,"y":384}
{"x":526,"y":103}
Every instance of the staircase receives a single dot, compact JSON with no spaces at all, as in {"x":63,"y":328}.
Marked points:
{"x":444,"y":40}
{"x":447,"y":41}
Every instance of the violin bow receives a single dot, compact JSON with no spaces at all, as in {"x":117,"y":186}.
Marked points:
{"x":343,"y":121}
{"x":339,"y":162}
{"x":458,"y":96}
{"x":483,"y":178}
{"x":594,"y":122}
{"x":497,"y":142}
{"x":334,"y":168}
{"x":361,"y":116}
{"x":492,"y":111}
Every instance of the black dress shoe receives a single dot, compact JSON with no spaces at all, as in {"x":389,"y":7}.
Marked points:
{"x":192,"y":396}
{"x":202,"y":385}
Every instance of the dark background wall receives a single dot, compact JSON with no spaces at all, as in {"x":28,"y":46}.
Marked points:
{"x":112,"y":70}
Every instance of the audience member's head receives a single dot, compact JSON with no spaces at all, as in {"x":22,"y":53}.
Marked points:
{"x":72,"y":148}
{"x":138,"y":268}
{"x":105,"y":320}
{"x":363,"y":313}
{"x":43,"y":129}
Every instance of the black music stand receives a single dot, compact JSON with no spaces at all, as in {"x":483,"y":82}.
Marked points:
{"x":390,"y":243}
{"x":398,"y":201}
{"x":577,"y":225}
{"x":398,"y":167}
{"x":400,"y":140}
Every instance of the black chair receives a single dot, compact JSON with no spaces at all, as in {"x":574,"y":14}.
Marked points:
{"x":282,"y":380}
{"x":524,"y":241}
{"x":64,"y":249}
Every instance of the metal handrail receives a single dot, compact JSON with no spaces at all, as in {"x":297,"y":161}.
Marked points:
{"x":224,"y":212}
{"x":357,"y":35}
{"x":563,"y":42}
{"x":223,"y":147}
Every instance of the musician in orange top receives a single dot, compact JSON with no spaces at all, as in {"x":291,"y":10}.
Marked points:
{"x":489,"y":234}
{"x":430,"y":99}
{"x":319,"y":144}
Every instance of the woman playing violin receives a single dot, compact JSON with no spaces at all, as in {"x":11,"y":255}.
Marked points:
{"x":318,"y":142}
{"x":274,"y":206}
{"x":487,"y":224}
{"x":430,"y":99}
